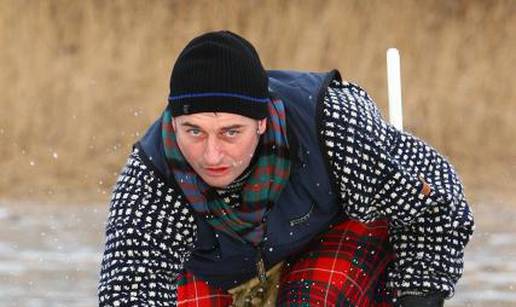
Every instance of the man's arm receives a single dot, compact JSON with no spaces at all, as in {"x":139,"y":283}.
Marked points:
{"x":429,"y":246}
{"x":381,"y":172}
{"x":149,"y":235}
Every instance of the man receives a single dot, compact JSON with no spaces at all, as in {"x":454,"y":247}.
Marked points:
{"x":247,"y":168}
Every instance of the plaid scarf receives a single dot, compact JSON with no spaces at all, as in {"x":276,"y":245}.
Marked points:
{"x":268,"y":177}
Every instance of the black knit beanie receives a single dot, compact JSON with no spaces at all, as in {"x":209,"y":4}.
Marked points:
{"x":219,"y":72}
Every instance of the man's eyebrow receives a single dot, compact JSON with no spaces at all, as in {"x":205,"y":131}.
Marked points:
{"x":235,"y":126}
{"x":187,"y":124}
{"x":230,"y":127}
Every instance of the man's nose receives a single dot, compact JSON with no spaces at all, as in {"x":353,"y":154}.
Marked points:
{"x":213,"y":152}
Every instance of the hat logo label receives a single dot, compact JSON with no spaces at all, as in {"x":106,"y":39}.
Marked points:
{"x":186,"y":107}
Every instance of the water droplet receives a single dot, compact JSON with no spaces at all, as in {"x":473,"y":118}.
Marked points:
{"x":270,"y":249}
{"x":55,"y":155}
{"x":291,"y":233}
{"x":32,"y":163}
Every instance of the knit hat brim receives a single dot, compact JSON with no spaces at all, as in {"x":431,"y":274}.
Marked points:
{"x":219,"y":102}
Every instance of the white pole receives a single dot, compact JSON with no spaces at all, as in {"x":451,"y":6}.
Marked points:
{"x":394,"y":88}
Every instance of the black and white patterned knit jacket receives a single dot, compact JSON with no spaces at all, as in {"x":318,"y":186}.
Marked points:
{"x":149,"y":235}
{"x":382,"y":172}
{"x":379,"y":173}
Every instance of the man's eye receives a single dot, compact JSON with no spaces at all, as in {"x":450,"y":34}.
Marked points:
{"x":194,"y":132}
{"x":232,"y":133}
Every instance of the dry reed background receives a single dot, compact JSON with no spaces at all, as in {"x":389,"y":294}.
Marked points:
{"x":81,"y":80}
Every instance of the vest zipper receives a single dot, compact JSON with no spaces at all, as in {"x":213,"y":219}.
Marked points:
{"x":260,"y":266}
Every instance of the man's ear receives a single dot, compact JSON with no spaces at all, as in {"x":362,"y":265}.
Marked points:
{"x":174,"y":125}
{"x":262,"y":126}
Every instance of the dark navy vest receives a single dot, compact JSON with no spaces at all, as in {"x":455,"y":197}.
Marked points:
{"x":305,"y":208}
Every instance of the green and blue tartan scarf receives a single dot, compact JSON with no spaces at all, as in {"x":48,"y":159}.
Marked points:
{"x":263,"y":186}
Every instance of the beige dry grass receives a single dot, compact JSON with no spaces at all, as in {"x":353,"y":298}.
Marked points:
{"x":81,"y":80}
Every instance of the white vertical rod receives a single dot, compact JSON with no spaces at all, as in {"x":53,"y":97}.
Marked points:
{"x":394,"y":88}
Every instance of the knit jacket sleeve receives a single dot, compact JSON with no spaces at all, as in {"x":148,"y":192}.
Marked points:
{"x":149,"y":235}
{"x":383,"y":173}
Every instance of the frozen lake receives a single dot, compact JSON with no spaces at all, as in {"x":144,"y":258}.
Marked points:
{"x":50,"y":256}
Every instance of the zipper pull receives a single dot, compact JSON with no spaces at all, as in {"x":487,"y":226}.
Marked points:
{"x":260,"y":267}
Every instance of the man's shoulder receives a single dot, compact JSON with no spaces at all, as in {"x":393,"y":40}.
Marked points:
{"x":139,"y":177}
{"x":140,"y":188}
{"x":291,"y":81}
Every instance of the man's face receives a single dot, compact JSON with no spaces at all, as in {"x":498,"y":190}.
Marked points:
{"x":218,"y":146}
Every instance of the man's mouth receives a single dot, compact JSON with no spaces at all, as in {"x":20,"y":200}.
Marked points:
{"x":216,"y":171}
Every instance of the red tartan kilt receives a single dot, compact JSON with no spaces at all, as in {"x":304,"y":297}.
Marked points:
{"x":345,"y":266}
{"x":193,"y":291}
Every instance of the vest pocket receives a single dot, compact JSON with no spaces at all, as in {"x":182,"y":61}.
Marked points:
{"x":303,"y":218}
